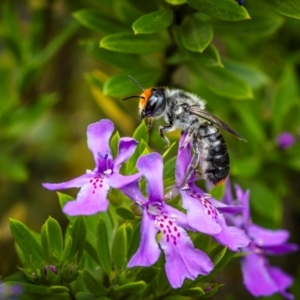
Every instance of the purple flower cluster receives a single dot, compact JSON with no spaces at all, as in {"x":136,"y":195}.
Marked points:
{"x":260,"y":278}
{"x":164,"y":228}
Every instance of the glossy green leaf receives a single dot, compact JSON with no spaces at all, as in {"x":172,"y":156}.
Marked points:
{"x":132,"y":287}
{"x":27,"y":242}
{"x":120,"y":85}
{"x":222,"y":9}
{"x":119,"y":247}
{"x":223,"y":82}
{"x":78,"y":235}
{"x":125,"y":213}
{"x":195,"y":34}
{"x":98,"y":21}
{"x":92,"y":284}
{"x":260,"y":25}
{"x":127,"y":42}
{"x":210,"y":57}
{"x":153,"y":22}
{"x":255,"y":77}
{"x":176,"y":2}
{"x":286,"y":96}
{"x":103,"y":249}
{"x":52,"y":240}
{"x":290,"y":8}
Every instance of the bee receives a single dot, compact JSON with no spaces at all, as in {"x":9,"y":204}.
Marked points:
{"x":186,"y":111}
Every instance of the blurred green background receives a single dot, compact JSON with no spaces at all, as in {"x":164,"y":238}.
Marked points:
{"x":55,"y":80}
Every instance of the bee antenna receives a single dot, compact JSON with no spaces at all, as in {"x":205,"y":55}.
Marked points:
{"x":134,"y":96}
{"x":136,"y":82}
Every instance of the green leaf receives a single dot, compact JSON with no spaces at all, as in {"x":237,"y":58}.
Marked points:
{"x":153,"y":22}
{"x":192,"y":292}
{"x":228,"y":10}
{"x":102,"y":243}
{"x":78,"y":235}
{"x":195,"y":34}
{"x":127,"y":42}
{"x":119,"y":247}
{"x":260,"y":25}
{"x":132,"y":287}
{"x":120,"y":85}
{"x":249,"y":73}
{"x":223,"y":82}
{"x":176,"y":2}
{"x":134,"y":241}
{"x":114,"y":144}
{"x":125,"y":213}
{"x":52,"y":241}
{"x":218,"y":191}
{"x":98,"y":21}
{"x":246,"y":167}
{"x":92,"y":284}
{"x":202,"y":241}
{"x":290,"y":8}
{"x":286,"y":96}
{"x":27,"y":242}
{"x":147,"y":274}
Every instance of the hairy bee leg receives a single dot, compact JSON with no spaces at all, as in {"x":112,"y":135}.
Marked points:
{"x":162,"y":130}
{"x":194,"y":162}
{"x":189,"y":135}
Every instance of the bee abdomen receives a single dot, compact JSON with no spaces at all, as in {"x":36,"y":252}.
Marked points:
{"x":214,"y":155}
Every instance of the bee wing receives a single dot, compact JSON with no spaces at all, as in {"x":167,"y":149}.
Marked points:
{"x":213,"y":119}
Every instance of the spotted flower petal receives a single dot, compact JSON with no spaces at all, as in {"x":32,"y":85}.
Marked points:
{"x":201,"y":217}
{"x":90,"y":200}
{"x":183,"y":260}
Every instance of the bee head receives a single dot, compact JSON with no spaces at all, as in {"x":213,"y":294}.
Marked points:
{"x":152,"y":101}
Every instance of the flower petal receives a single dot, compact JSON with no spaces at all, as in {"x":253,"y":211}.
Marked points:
{"x":152,"y":168}
{"x":256,"y":276}
{"x":266,"y":237}
{"x":98,"y":135}
{"x":148,"y":252}
{"x":133,"y":191}
{"x":282,"y":280}
{"x":183,"y":260}
{"x":127,"y":147}
{"x":232,"y":237}
{"x":73,"y":183}
{"x":90,"y":200}
{"x":117,"y":180}
{"x":183,"y":161}
{"x":181,"y":218}
{"x":228,"y":198}
{"x":197,"y":217}
{"x":223,"y":208}
{"x":280,"y":249}
{"x":243,"y":199}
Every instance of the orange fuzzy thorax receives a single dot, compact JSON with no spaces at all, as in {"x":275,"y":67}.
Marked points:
{"x":144,"y":98}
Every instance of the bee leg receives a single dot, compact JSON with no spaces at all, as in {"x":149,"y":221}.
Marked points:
{"x":189,"y":135}
{"x":194,"y":162}
{"x":162,"y":130}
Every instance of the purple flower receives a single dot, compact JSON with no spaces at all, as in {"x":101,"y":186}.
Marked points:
{"x":204,"y":213}
{"x":182,"y":259}
{"x":260,"y":278}
{"x":94,"y":185}
{"x":285,"y":140}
